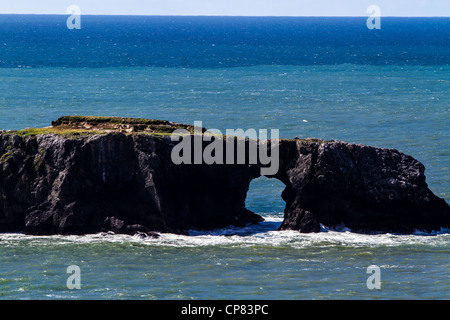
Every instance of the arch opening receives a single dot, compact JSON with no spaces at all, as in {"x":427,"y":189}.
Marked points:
{"x":264,"y":198}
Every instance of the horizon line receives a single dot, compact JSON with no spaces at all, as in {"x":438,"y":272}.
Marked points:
{"x":224,"y":15}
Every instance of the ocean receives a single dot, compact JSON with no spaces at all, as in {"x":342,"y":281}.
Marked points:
{"x":330,"y":78}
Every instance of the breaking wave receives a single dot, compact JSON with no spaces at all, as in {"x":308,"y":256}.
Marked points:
{"x":262,"y":234}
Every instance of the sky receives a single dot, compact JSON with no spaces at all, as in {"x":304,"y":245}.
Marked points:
{"x":402,"y":8}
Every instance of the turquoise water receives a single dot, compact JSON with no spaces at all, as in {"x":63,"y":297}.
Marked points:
{"x":402,"y":107}
{"x":392,"y":91}
{"x":394,"y":107}
{"x":252,"y":264}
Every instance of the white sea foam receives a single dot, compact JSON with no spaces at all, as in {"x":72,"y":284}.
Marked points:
{"x":262,"y":234}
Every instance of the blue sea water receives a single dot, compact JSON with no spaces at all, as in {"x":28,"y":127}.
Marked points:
{"x":330,"y":78}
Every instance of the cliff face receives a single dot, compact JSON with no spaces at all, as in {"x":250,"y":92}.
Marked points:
{"x":367,"y":189}
{"x":50,"y":184}
{"x":123,"y":180}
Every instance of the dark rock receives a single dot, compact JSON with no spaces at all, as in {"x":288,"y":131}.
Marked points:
{"x":114,"y":182}
{"x":127,"y":183}
{"x":301,"y":220}
{"x":141,"y":235}
{"x":365,"y":188}
{"x":146,"y":235}
{"x":113,"y":224}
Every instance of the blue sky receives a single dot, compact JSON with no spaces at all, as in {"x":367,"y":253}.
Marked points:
{"x":232,"y":7}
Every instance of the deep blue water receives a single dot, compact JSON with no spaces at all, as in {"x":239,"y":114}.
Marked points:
{"x":330,"y":78}
{"x":212,"y":42}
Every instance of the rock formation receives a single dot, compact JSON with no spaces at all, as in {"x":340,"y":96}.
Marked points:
{"x":92,"y":174}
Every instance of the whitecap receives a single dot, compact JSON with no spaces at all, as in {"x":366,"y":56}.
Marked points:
{"x":265,"y":233}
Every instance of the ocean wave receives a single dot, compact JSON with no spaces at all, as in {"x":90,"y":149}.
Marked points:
{"x":262,"y":234}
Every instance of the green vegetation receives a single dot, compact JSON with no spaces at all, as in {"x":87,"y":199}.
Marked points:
{"x":77,"y":127}
{"x":68,"y":133}
{"x":39,"y":158}
{"x":75,"y":133}
{"x":120,"y":124}
{"x":5,"y":156}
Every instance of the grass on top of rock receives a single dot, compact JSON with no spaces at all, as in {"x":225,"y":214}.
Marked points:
{"x":50,"y":130}
{"x":80,"y":126}
{"x":120,"y":124}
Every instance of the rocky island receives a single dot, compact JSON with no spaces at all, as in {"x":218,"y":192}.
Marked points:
{"x":92,"y":174}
